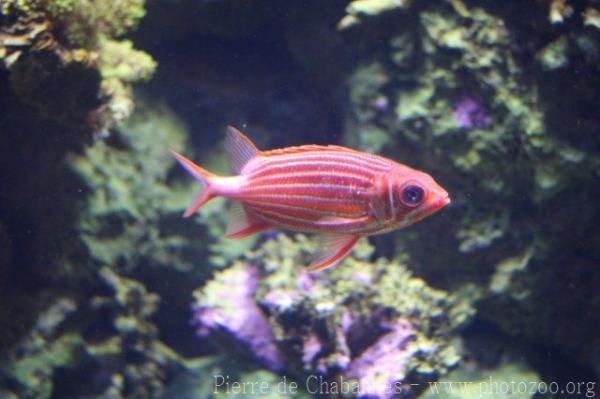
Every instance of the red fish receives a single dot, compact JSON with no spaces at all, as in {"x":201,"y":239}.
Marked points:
{"x":341,"y":193}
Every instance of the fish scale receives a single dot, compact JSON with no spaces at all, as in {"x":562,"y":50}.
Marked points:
{"x":303,"y":186}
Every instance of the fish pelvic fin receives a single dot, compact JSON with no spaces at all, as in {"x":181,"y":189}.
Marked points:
{"x":334,"y":248}
{"x":203,"y":176}
{"x":240,"y":148}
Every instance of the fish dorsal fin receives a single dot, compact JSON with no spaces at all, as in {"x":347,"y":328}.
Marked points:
{"x":240,"y":148}
{"x":241,"y":224}
{"x":334,"y":248}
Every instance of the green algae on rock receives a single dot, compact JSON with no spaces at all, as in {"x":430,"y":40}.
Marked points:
{"x":83,"y":23}
{"x":493,"y":110}
{"x":106,"y":337}
{"x":31,"y":366}
{"x":332,"y":307}
{"x":360,"y":8}
{"x":68,"y":48}
{"x":123,"y":218}
{"x":134,"y":207}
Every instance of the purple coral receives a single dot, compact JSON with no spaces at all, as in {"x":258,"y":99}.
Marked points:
{"x":376,"y":351}
{"x":311,"y":347}
{"x":470,"y":113}
{"x":381,"y":368}
{"x":236,"y":312}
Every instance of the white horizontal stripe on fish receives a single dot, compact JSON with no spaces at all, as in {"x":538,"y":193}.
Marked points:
{"x":335,"y":159}
{"x":326,"y":222}
{"x":345,"y":188}
{"x":370,"y":158}
{"x":342,"y":159}
{"x":303,"y":197}
{"x":317,"y":166}
{"x":259,"y":206}
{"x":359,"y":178}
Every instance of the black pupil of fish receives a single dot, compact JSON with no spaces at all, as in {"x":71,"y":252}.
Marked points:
{"x":412,"y":195}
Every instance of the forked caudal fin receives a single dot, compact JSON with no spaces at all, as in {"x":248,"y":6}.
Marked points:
{"x":240,"y":149}
{"x":203,"y":176}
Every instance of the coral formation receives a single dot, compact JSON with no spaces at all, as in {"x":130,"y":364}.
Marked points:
{"x":83,"y":23}
{"x":66,"y":48}
{"x":124,"y":216}
{"x":488,"y":114}
{"x":115,"y":348}
{"x":371,"y":323}
{"x":361,"y":8}
{"x":234,"y":310}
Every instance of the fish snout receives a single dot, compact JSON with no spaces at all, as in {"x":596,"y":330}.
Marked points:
{"x":438,"y":199}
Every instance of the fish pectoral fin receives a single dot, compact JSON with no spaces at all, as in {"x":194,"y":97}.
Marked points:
{"x":241,"y":224}
{"x":377,"y":208}
{"x":334,"y":248}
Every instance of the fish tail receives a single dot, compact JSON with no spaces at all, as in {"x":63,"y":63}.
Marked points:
{"x":205,"y":177}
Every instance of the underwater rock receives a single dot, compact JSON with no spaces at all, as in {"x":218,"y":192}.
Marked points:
{"x":124,"y":217}
{"x":31,"y":365}
{"x":61,"y":59}
{"x":106,"y":339}
{"x":61,"y":83}
{"x":554,"y":55}
{"x":381,"y":368}
{"x":357,"y":9}
{"x":82,"y":22}
{"x":372,"y":323}
{"x":559,"y":10}
{"x":591,"y":17}
{"x":137,"y":363}
{"x":469,"y":113}
{"x":236,"y":312}
{"x":490,"y":107}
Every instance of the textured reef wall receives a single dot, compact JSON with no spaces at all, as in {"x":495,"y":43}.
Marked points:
{"x":64,"y":59}
{"x":349,"y":324}
{"x":499,"y":107}
{"x":102,"y":280}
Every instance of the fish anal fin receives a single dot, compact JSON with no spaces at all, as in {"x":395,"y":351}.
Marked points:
{"x":241,"y":224}
{"x":334,"y":248}
{"x":240,"y":148}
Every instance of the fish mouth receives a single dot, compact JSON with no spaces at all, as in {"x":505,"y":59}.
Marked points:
{"x":442,"y":202}
{"x":437,"y":204}
{"x":429,"y":208}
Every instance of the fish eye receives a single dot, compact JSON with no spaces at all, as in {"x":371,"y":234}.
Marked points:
{"x":412,"y":195}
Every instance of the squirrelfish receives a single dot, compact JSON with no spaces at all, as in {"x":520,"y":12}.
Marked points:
{"x":340,"y":193}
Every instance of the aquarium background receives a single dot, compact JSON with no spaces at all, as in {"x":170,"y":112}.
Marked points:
{"x":107,"y":292}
